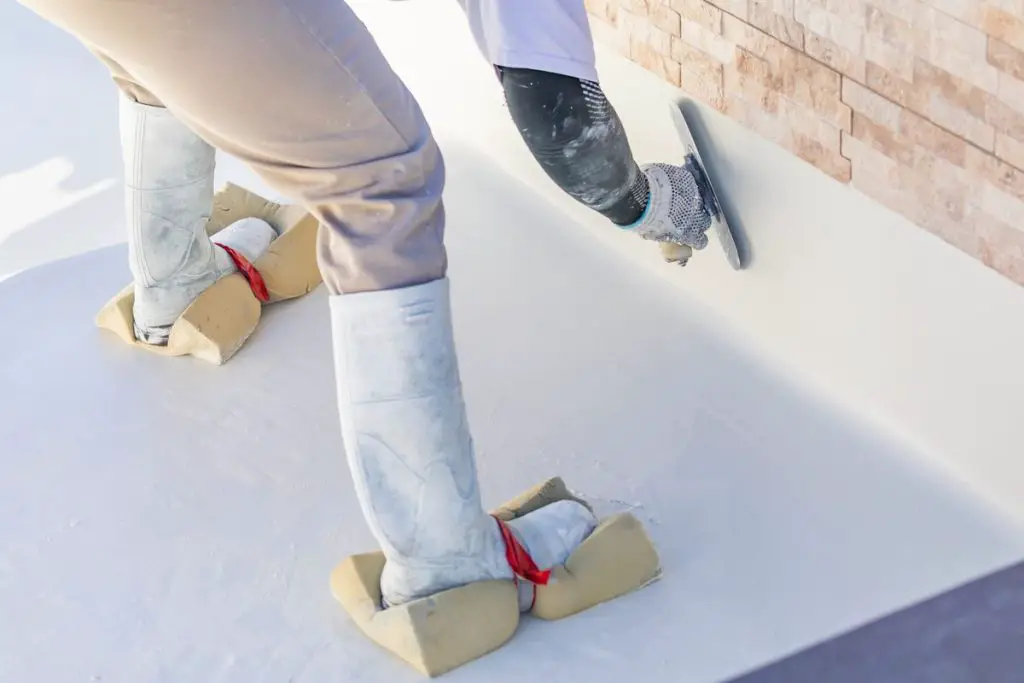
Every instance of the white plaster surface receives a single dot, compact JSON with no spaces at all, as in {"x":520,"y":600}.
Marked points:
{"x":814,"y":442}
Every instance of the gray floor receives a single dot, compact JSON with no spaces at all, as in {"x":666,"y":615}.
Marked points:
{"x":973,"y":634}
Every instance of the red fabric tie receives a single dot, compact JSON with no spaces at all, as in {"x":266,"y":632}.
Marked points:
{"x":249,"y":272}
{"x":519,"y":560}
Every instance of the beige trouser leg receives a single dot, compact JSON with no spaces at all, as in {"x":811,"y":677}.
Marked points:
{"x":299,"y":90}
{"x":128,"y":84}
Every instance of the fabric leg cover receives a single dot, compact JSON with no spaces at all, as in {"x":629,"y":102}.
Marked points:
{"x":216,"y":325}
{"x":444,"y":631}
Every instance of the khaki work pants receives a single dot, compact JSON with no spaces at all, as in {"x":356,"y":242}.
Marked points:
{"x":300,"y":91}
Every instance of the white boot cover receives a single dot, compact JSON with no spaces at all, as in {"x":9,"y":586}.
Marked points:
{"x":411,"y":455}
{"x":168,"y":199}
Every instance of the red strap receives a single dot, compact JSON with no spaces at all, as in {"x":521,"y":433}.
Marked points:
{"x":519,"y":560}
{"x":249,"y":272}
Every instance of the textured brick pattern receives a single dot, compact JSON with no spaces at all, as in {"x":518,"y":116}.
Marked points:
{"x":917,"y":103}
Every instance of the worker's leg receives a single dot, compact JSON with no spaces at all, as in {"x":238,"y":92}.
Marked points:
{"x":168,"y":172}
{"x":300,"y":91}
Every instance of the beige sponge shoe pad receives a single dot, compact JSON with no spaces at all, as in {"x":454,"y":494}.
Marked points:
{"x":444,"y":631}
{"x":550,"y":491}
{"x":223,"y":317}
{"x":617,"y":558}
{"x":435,"y":634}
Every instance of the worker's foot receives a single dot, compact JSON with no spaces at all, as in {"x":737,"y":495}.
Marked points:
{"x":169,"y":197}
{"x":548,"y":536}
{"x":411,"y":454}
{"x":159,"y":303}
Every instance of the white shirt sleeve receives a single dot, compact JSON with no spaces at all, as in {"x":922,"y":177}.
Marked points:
{"x":547,"y":35}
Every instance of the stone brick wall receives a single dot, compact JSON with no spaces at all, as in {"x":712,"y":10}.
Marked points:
{"x":917,"y":103}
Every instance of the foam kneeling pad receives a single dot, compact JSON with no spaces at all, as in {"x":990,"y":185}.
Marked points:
{"x":216,"y":325}
{"x":451,"y":628}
